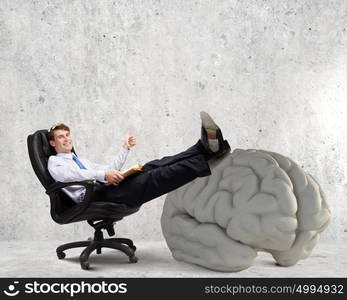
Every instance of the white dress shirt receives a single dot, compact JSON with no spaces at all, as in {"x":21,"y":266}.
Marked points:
{"x":62,"y":168}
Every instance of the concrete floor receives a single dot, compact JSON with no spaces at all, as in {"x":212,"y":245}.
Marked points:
{"x":29,"y":259}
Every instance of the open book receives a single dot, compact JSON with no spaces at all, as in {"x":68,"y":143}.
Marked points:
{"x":128,"y":172}
{"x":132,"y":170}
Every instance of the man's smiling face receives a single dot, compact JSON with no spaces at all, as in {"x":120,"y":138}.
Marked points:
{"x":62,"y":142}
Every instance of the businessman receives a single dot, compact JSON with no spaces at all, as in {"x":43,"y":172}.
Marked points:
{"x":156,"y":178}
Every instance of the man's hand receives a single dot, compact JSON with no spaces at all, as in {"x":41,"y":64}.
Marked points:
{"x":113,"y":177}
{"x":130,"y":141}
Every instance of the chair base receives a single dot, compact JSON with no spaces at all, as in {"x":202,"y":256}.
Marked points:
{"x":122,"y":244}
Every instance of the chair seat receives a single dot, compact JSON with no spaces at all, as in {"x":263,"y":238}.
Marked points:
{"x":101,"y":210}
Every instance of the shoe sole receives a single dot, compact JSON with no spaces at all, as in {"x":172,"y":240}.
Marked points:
{"x":207,"y":121}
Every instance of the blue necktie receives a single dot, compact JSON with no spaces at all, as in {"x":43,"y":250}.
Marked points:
{"x":79,"y":163}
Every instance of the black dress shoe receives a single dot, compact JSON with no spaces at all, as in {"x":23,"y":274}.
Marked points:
{"x":220,"y":139}
{"x":222,"y":150}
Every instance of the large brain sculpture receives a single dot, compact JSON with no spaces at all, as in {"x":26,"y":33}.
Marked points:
{"x":254,"y":201}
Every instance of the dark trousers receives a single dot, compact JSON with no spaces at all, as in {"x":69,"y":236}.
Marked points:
{"x":158,"y":177}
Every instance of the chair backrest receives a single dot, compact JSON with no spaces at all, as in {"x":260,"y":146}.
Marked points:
{"x":39,"y":152}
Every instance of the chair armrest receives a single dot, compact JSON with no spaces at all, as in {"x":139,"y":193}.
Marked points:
{"x":59,"y":185}
{"x":89,"y":184}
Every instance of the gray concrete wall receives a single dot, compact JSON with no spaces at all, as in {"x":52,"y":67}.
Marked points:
{"x":273,"y":73}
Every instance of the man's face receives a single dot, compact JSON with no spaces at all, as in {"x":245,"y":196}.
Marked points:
{"x":62,"y":142}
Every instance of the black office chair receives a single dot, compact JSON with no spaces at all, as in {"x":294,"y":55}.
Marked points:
{"x":100,"y":215}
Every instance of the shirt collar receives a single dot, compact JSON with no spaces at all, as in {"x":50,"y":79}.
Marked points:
{"x":65,"y":155}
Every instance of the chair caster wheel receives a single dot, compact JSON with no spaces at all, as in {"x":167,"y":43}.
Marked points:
{"x":85,"y":265}
{"x":61,"y":255}
{"x":133,"y":259}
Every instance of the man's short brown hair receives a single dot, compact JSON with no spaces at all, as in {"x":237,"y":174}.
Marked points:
{"x":59,"y":126}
